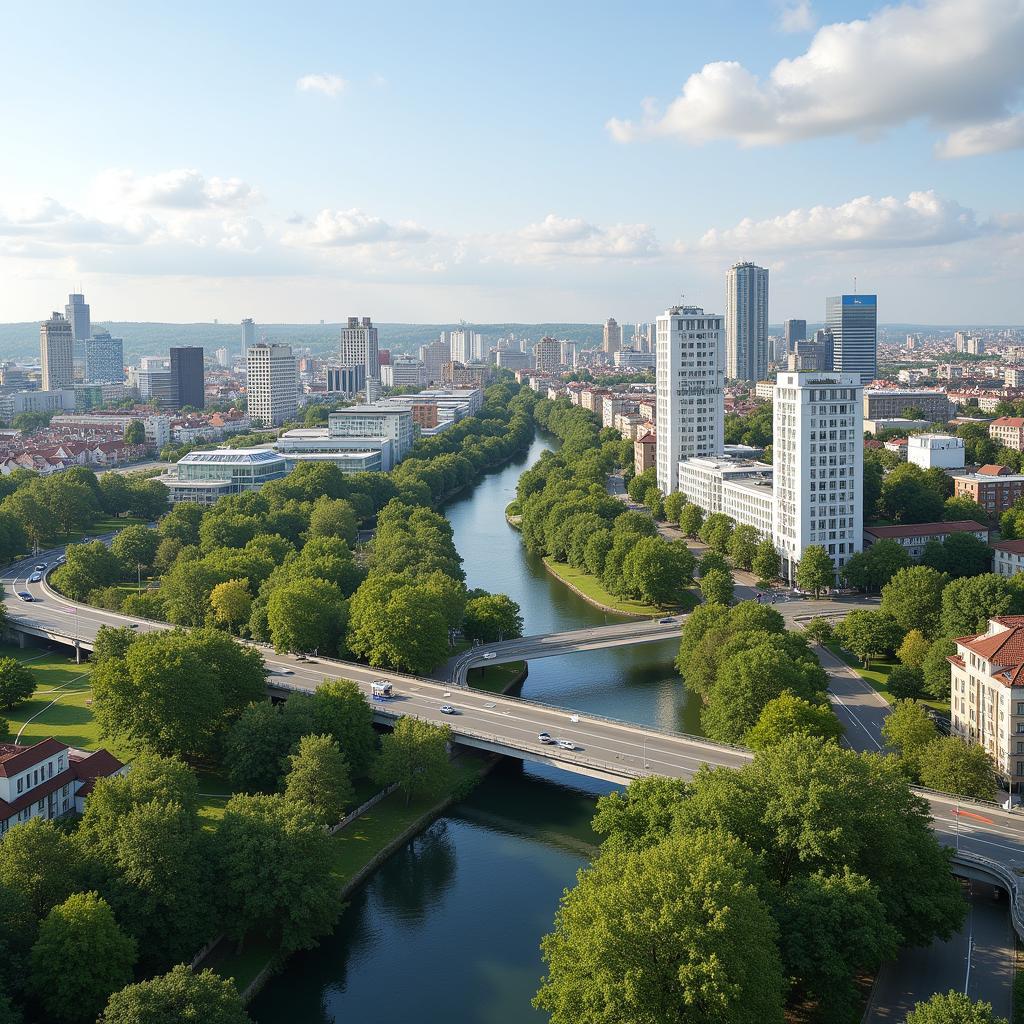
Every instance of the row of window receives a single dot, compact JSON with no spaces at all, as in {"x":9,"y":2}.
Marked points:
{"x":34,"y":777}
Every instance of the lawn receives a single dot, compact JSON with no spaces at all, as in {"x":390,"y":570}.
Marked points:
{"x":591,"y":587}
{"x":878,"y":674}
{"x":105,"y":524}
{"x":495,"y":678}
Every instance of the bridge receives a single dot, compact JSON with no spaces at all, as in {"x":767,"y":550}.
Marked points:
{"x":988,"y":841}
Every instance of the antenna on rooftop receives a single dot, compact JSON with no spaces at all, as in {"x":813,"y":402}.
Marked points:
{"x":854,"y":284}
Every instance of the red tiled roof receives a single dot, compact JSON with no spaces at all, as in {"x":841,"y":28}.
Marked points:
{"x":1011,"y":547}
{"x":926,"y":529}
{"x":95,"y":764}
{"x":1008,"y":421}
{"x":991,"y":470}
{"x":647,"y":439}
{"x":14,"y":759}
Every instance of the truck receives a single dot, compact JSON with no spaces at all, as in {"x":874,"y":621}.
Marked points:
{"x":381,"y":689}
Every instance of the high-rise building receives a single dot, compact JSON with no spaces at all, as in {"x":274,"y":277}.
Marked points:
{"x":273,"y":383}
{"x":223,"y":358}
{"x":547,"y":354}
{"x":792,"y":332}
{"x":359,"y":346}
{"x":612,"y":340}
{"x":187,"y":376}
{"x":746,"y":322}
{"x":690,"y":389}
{"x":853,"y":321}
{"x":248,"y":335}
{"x":460,"y":346}
{"x":346,"y":380}
{"x":818,"y":459}
{"x":77,"y":313}
{"x":56,"y":353}
{"x":403,"y":372}
{"x":567,"y":354}
{"x":104,"y":359}
{"x":434,"y":356}
{"x":477,"y":346}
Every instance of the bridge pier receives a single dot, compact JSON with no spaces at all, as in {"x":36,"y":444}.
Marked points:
{"x":78,"y":653}
{"x":21,"y":640}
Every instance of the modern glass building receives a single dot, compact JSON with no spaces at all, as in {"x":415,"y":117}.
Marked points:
{"x":853,"y":321}
{"x":203,"y":477}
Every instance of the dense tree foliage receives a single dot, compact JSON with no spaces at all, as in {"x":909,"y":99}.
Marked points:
{"x":953,"y":1008}
{"x":17,"y":682}
{"x":415,"y":757}
{"x":180,"y":995}
{"x":318,"y":776}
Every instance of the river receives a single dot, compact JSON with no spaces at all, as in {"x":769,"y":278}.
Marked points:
{"x":448,"y":930}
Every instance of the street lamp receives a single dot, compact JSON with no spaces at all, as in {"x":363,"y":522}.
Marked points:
{"x":139,"y":567}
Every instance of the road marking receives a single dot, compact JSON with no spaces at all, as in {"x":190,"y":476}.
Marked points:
{"x":958,"y":812}
{"x":838,"y":700}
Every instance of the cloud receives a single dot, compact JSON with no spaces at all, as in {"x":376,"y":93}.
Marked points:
{"x":922,"y":219}
{"x":329,"y":85}
{"x":43,"y":220}
{"x":180,"y":189}
{"x":558,"y":229}
{"x":957,"y":65}
{"x":978,"y":139}
{"x":797,"y":16}
{"x":572,"y":237}
{"x":353,"y":227}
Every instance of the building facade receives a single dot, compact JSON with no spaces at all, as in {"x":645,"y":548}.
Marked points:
{"x":346,"y":380}
{"x":104,"y":359}
{"x":547,"y":355}
{"x":434,"y":356}
{"x":853,"y":321}
{"x":889,"y":403}
{"x":403,"y":372}
{"x":746,"y":322}
{"x":393,"y":422}
{"x":205,"y":477}
{"x":57,"y":353}
{"x":690,"y":389}
{"x":1008,"y":431}
{"x":936,"y":451}
{"x":77,"y":314}
{"x":359,"y":346}
{"x":187,"y":376}
{"x":914,"y":536}
{"x":992,"y":488}
{"x":644,"y":449}
{"x":611,"y":340}
{"x":272,"y":384}
{"x":792,"y":332}
{"x":1008,"y":557}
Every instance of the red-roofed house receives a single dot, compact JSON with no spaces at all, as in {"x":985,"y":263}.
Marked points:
{"x":48,"y":779}
{"x":987,"y":693}
{"x":914,"y":536}
{"x":644,"y":452}
{"x":1009,"y":557}
{"x":1008,"y":431}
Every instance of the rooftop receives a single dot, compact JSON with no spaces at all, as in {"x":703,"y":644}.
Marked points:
{"x":1011,"y":547}
{"x":926,"y":529}
{"x":232,"y":457}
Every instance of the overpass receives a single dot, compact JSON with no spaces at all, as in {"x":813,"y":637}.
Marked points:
{"x":988,"y":841}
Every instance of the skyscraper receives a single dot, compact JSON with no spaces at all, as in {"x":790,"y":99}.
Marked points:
{"x":546,"y":354}
{"x":248,"y":334}
{"x":104,"y":359}
{"x":77,"y":314}
{"x":273,"y":383}
{"x":690,"y":390}
{"x":359,"y":346}
{"x":794,"y":331}
{"x":853,"y":321}
{"x":187,"y":376}
{"x":461,"y":345}
{"x":612,"y":336}
{"x":746,"y":322}
{"x":434,"y":356}
{"x":56,"y":353}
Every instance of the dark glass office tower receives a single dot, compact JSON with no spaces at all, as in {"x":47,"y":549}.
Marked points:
{"x":853,"y":321}
{"x":187,"y":376}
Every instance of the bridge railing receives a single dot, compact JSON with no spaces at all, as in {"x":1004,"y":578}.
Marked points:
{"x":1005,"y":876}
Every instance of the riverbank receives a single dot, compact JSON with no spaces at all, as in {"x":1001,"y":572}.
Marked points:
{"x":589,"y":588}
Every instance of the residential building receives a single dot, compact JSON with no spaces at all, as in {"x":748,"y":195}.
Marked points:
{"x":460,"y":345}
{"x":1008,"y":431}
{"x":403,"y":372}
{"x":104,"y":359}
{"x":56,"y":353}
{"x":13,"y":403}
{"x":187,"y":377}
{"x":853,"y":321}
{"x":49,"y":779}
{"x":1008,"y":557}
{"x":359,"y":346}
{"x":630,"y":359}
{"x":994,"y":488}
{"x":690,"y":389}
{"x":392,"y":421}
{"x":471,"y":375}
{"x":644,"y":452}
{"x":741,"y":488}
{"x":746,"y":322}
{"x":887,"y":403}
{"x":765,"y":389}
{"x":818,"y":455}
{"x":612,"y":337}
{"x":346,"y":380}
{"x":568,"y":354}
{"x":987,"y":694}
{"x":792,"y":332}
{"x":434,"y":356}
{"x":205,"y":477}
{"x":157,"y":426}
{"x":613,"y":405}
{"x":272,"y":383}
{"x":223,"y":358}
{"x":914,"y":536}
{"x":547,"y":355}
{"x":936,"y":451}
{"x":512,"y":359}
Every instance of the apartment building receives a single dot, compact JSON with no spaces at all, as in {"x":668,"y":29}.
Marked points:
{"x":888,"y":403}
{"x":914,"y":536}
{"x":1008,"y":557}
{"x":1008,"y":431}
{"x":936,"y":451}
{"x":995,"y":488}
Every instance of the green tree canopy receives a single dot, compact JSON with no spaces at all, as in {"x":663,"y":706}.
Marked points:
{"x":318,"y":775}
{"x":17,"y":682}
{"x":415,"y":756}
{"x":816,"y":571}
{"x":953,"y":1008}
{"x":789,"y":715}
{"x":913,"y":597}
{"x":766,"y":563}
{"x":180,"y":995}
{"x":870,"y":634}
{"x":492,"y":617}
{"x":951,"y":765}
{"x":307,"y":615}
{"x":717,"y":587}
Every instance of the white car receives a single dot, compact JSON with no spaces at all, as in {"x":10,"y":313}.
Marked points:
{"x":567,"y":744}
{"x":35,"y":577}
{"x":447,"y":709}
{"x":489,"y":655}
{"x":286,"y":671}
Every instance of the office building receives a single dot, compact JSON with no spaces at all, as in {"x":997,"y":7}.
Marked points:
{"x":512,"y":359}
{"x":187,"y":377}
{"x":740,"y":488}
{"x":994,"y":488}
{"x":818,"y":458}
{"x":936,"y":451}
{"x":273,"y":383}
{"x":152,"y":379}
{"x":391,"y":421}
{"x":547,"y":354}
{"x":104,"y":359}
{"x":205,"y":477}
{"x":346,"y":380}
{"x":792,"y":332}
{"x":404,"y":372}
{"x":889,"y":403}
{"x":56,"y":353}
{"x":248,"y":334}
{"x":612,"y":337}
{"x":13,"y":403}
{"x":434,"y":356}
{"x":359,"y":346}
{"x":853,"y":321}
{"x":223,"y":358}
{"x":629,"y":359}
{"x":77,"y":314}
{"x":347,"y":454}
{"x":746,"y":322}
{"x":690,"y":389}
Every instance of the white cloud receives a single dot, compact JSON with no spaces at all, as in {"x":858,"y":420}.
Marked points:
{"x":922,"y":219}
{"x":954,"y":64}
{"x":572,"y":237}
{"x":797,"y":16}
{"x":353,"y":227}
{"x":179,"y":189}
{"x":329,"y":85}
{"x":990,"y":137}
{"x":558,"y":229}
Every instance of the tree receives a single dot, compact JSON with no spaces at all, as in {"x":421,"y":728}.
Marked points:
{"x":716,"y":586}
{"x":820,"y":630}
{"x":254,"y":748}
{"x":963,"y":509}
{"x":673,"y":505}
{"x":712,"y":560}
{"x":952,"y":765}
{"x":640,"y":816}
{"x":112,"y":642}
{"x":274,"y":860}
{"x":908,"y":496}
{"x":789,"y":715}
{"x":415,"y":757}
{"x":914,"y":648}
{"x":717,"y":532}
{"x":959,"y":555}
{"x":231,"y":603}
{"x":307,"y":615}
{"x":968,"y":604}
{"x":913,"y":597}
{"x":341,"y":710}
{"x":41,"y":863}
{"x":657,"y":572}
{"x":88,"y":567}
{"x":318,"y":775}
{"x":134,"y":546}
{"x":936,"y":668}
{"x":492,"y":617}
{"x":654,"y":501}
{"x":743,"y":546}
{"x":135,"y":433}
{"x":180,"y":995}
{"x":872,"y":568}
{"x":692,"y":907}
{"x":869,"y":634}
{"x":953,"y":1008}
{"x":333,"y":517}
{"x":907,"y":730}
{"x":816,"y":571}
{"x":17,"y":683}
{"x":766,"y":563}
{"x":79,"y":958}
{"x":904,"y":681}
{"x":691,"y":519}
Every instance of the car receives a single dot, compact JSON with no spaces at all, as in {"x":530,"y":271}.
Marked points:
{"x":301,"y":657}
{"x":665,"y":621}
{"x":40,"y":567}
{"x":35,"y":577}
{"x":133,"y":625}
{"x":567,"y":744}
{"x":60,"y":561}
{"x":545,"y":737}
{"x":447,"y":709}
{"x":286,"y":671}
{"x":24,"y":595}
{"x":489,"y":655}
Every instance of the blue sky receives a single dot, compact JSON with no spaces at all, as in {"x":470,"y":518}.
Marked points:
{"x":536,"y":161}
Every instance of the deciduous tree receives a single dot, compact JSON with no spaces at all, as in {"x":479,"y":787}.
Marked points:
{"x":716,"y":586}
{"x":788,"y":715}
{"x":816,"y":570}
{"x":415,"y":756}
{"x":318,"y":775}
{"x":952,"y":765}
{"x":17,"y":683}
{"x":180,"y":995}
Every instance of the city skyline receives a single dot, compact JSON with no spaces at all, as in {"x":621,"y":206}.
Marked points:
{"x":917,"y":120}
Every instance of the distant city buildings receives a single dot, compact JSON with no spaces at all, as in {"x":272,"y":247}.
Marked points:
{"x":346,"y":380}
{"x":434,"y":356}
{"x":187,"y":376}
{"x":746,"y":322}
{"x":404,"y":372}
{"x":248,"y":334}
{"x":792,"y":332}
{"x":547,"y":354}
{"x":272,"y":383}
{"x":612,"y":337}
{"x":76,"y":312}
{"x":853,"y":321}
{"x":359,"y":346}
{"x":104,"y":359}
{"x":56,"y":353}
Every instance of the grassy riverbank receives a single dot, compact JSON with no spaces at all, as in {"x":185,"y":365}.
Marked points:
{"x":877,"y":674}
{"x":589,"y":588}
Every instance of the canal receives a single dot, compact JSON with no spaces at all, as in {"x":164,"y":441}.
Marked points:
{"x":448,"y":929}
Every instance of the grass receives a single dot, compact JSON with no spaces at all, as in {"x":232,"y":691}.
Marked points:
{"x":591,"y":587}
{"x":495,"y":678}
{"x":878,"y":676}
{"x":105,"y":524}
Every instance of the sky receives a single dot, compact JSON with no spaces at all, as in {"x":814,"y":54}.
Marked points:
{"x":542,"y":161}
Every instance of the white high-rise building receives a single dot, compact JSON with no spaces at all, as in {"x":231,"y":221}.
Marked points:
{"x":461,"y":346}
{"x":546,"y":354}
{"x":818,"y":457}
{"x":690,"y":389}
{"x":223,"y":359}
{"x":746,"y":322}
{"x":57,"y":353}
{"x":273,"y":383}
{"x":567,"y":353}
{"x":359,"y":346}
